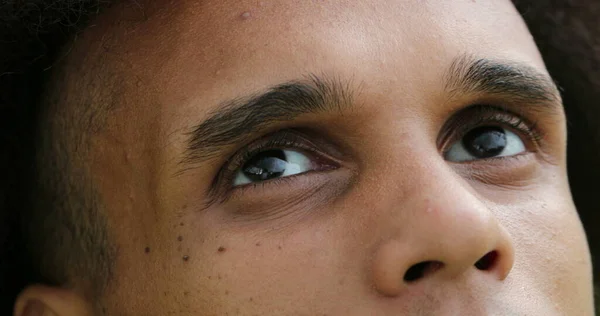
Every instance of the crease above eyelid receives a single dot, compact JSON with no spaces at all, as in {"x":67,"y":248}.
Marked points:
{"x":297,"y":138}
{"x":475,"y":116}
{"x":281,"y":139}
{"x":278,"y":140}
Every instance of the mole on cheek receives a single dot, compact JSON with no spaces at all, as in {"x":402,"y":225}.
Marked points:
{"x":186,"y":258}
{"x":180,"y":238}
{"x":147,"y":250}
{"x":221,"y":249}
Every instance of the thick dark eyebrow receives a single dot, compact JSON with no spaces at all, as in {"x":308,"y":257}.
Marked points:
{"x":516,"y":82}
{"x":239,"y":119}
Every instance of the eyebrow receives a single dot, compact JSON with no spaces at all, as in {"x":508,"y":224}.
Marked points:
{"x":519,"y":83}
{"x":239,"y":119}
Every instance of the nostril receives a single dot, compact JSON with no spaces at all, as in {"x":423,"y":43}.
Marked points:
{"x":488,"y":261}
{"x":421,"y":269}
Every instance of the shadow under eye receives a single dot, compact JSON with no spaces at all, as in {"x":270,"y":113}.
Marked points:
{"x":287,"y":199}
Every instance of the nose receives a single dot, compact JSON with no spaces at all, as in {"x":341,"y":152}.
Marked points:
{"x":447,"y":236}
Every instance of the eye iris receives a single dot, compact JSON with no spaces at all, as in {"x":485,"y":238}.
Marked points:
{"x":485,"y":141}
{"x":266,"y":165}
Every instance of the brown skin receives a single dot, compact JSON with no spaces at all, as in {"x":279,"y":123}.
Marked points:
{"x":392,"y":201}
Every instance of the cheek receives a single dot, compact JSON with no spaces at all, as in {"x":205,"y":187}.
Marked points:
{"x":260,"y":270}
{"x":551,"y":247}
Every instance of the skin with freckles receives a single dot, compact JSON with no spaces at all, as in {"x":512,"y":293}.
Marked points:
{"x":388,"y":211}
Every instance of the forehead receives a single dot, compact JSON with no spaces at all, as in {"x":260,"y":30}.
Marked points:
{"x":176,"y":63}
{"x":182,"y":59}
{"x":201,"y":49}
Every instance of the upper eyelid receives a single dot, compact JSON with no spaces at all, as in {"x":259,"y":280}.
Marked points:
{"x":492,"y":114}
{"x":285,"y":138}
{"x":270,"y":141}
{"x":220,"y":193}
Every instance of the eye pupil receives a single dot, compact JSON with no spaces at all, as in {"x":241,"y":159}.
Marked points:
{"x":484,"y":142}
{"x":266,"y":165}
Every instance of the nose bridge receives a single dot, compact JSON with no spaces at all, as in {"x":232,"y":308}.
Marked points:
{"x":447,"y":232}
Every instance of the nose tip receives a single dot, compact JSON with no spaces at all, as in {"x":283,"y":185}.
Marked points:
{"x":400,"y":264}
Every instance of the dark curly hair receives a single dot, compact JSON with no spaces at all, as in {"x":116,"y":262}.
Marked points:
{"x":50,"y":223}
{"x":51,"y":227}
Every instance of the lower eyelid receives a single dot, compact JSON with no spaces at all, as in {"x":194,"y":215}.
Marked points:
{"x":482,"y":115}
{"x":279,"y":190}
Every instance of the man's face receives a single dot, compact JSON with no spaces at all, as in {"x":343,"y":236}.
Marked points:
{"x":334,"y":158}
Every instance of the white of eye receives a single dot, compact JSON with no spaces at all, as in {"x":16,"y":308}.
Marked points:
{"x":296,"y":163}
{"x":514,"y":146}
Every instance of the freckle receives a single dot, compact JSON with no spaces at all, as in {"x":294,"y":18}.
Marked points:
{"x":147,"y":250}
{"x":219,"y":276}
{"x":186,"y":258}
{"x":180,"y":224}
{"x":258,"y":244}
{"x":221,"y":249}
{"x":226,"y":292}
{"x":210,"y":277}
{"x":251,"y":299}
{"x":180,"y":238}
{"x":279,"y":247}
{"x":245,"y":16}
{"x":185,"y":293}
{"x":184,"y":206}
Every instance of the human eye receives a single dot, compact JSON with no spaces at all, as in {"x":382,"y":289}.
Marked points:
{"x":488,"y":132}
{"x":276,"y":157}
{"x":486,"y":142}
{"x":272,"y":164}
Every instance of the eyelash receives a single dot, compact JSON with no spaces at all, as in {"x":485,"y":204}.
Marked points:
{"x":287,"y":139}
{"x":483,"y":115}
{"x":467,"y":119}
